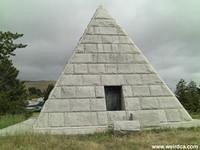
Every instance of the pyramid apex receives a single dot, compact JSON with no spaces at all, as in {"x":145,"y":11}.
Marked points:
{"x":101,"y":12}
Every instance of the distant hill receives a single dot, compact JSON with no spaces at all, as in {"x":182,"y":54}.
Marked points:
{"x":42,"y":85}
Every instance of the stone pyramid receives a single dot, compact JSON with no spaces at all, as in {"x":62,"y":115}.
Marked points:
{"x":108,"y":82}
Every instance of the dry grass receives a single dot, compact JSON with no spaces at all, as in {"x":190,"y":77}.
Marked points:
{"x":101,"y":141}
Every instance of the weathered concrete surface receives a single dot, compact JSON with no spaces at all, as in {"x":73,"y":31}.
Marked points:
{"x":106,"y":56}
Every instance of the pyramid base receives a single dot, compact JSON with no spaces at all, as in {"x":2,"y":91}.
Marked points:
{"x":72,"y":130}
{"x":97,"y":129}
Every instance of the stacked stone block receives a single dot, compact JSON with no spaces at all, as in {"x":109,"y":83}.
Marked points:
{"x":105,"y":56}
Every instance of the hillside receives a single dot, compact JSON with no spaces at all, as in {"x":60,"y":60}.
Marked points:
{"x":42,"y":85}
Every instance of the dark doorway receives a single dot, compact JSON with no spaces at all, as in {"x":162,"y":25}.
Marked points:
{"x":113,"y":95}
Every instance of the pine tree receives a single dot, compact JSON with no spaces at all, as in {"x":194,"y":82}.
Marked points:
{"x":12,"y":90}
{"x":181,"y":93}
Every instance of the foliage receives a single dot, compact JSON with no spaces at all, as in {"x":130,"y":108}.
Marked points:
{"x":32,"y":91}
{"x":12,"y":90}
{"x":48,"y":91}
{"x":189,"y":95}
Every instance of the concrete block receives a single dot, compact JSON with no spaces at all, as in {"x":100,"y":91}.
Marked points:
{"x":105,"y":30}
{"x":110,"y":68}
{"x":102,"y":118}
{"x":124,"y":39}
{"x":91,"y":79}
{"x":56,"y":105}
{"x":127,"y":91}
{"x":85,"y":92}
{"x":96,"y":68}
{"x":162,"y":116}
{"x":132,"y":79}
{"x":126,"y":48}
{"x":159,"y":90}
{"x":150,"y":79}
{"x":103,"y":22}
{"x":67,"y":92}
{"x":80,"y":48}
{"x":106,"y":39}
{"x":126,"y":68}
{"x":90,"y":48}
{"x":70,"y":80}
{"x":79,"y":105}
{"x":184,"y":115}
{"x":116,"y":116}
{"x":173,"y":115}
{"x":106,"y":48}
{"x":99,"y":91}
{"x":55,"y":93}
{"x":149,"y":103}
{"x":133,"y":125}
{"x":141,"y":68}
{"x":140,"y":90}
{"x":98,"y":104}
{"x":113,"y":80}
{"x":80,"y":68}
{"x":91,"y":39}
{"x":139,"y":58}
{"x":169,"y":102}
{"x":69,"y":69}
{"x":82,"y":58}
{"x":42,"y":120}
{"x":102,"y":14}
{"x":56,"y":119}
{"x":81,"y":119}
{"x":132,"y":103}
{"x":148,"y":118}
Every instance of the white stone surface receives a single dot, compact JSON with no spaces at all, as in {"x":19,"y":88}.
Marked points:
{"x":102,"y":118}
{"x":91,"y":80}
{"x":85,"y":91}
{"x":113,"y":80}
{"x":133,"y":125}
{"x":99,"y":91}
{"x":98,"y":104}
{"x":81,"y":119}
{"x":116,"y":116}
{"x":169,"y":102}
{"x":96,"y":68}
{"x":140,"y":90}
{"x":56,"y":119}
{"x":57,"y":105}
{"x":148,"y":118}
{"x":149,"y":103}
{"x":127,"y":91}
{"x":173,"y":115}
{"x":80,"y":68}
{"x":132,"y":103}
{"x":79,"y":104}
{"x":106,"y":56}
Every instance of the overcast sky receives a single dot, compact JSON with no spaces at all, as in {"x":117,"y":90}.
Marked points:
{"x":167,"y":31}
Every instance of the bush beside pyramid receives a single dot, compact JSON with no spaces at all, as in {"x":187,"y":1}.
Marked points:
{"x":108,"y":80}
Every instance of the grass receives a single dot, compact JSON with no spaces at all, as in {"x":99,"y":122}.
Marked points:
{"x":195,"y":115}
{"x":7,"y":120}
{"x":101,"y":141}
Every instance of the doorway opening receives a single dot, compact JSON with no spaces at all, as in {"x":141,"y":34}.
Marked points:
{"x":113,"y":96}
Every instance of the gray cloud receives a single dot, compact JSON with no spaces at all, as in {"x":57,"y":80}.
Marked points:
{"x":166,"y":31}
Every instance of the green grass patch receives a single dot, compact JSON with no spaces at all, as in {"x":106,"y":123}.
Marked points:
{"x":102,"y":141}
{"x":7,"y":120}
{"x":195,"y":115}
